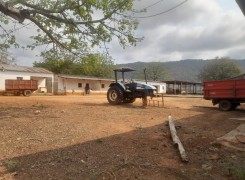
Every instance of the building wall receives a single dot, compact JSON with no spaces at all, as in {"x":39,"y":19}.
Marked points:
{"x":26,"y":76}
{"x":71,"y":86}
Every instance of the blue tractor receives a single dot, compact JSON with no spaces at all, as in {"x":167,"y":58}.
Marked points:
{"x":126,"y":91}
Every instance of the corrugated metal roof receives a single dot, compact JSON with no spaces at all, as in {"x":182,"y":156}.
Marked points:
{"x":83,"y":77}
{"x":7,"y":67}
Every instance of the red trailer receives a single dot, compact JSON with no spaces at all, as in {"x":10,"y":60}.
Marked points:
{"x":17,"y":87}
{"x":227,"y":93}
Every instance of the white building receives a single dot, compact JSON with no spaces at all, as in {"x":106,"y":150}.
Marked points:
{"x":44,"y":77}
{"x":61,"y":83}
{"x":161,"y":86}
{"x":77,"y":84}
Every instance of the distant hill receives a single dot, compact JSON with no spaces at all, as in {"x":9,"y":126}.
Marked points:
{"x":183,"y":70}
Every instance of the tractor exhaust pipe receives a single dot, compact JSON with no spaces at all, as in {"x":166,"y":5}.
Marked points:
{"x":145,"y":76}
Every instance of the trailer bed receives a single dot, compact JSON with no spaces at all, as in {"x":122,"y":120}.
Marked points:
{"x":228,"y":89}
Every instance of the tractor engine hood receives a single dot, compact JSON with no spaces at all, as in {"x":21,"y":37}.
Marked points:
{"x":144,"y":86}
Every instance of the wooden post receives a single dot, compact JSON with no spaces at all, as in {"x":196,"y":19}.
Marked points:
{"x":176,"y":140}
{"x":162,"y":101}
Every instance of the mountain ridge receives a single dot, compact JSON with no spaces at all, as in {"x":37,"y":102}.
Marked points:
{"x":183,"y":70}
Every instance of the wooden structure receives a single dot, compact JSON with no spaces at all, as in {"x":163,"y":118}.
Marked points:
{"x":183,"y":87}
{"x":17,"y":87}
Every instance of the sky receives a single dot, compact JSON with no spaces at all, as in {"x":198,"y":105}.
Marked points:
{"x":198,"y":29}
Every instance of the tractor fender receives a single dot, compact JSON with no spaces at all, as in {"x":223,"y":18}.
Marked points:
{"x":120,"y":85}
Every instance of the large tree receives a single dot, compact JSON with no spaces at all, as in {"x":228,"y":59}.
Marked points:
{"x":219,"y":69}
{"x":74,"y":25}
{"x":98,"y":65}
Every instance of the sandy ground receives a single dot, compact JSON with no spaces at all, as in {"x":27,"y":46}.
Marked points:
{"x":83,"y":137}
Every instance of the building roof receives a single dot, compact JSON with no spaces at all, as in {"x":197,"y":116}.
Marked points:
{"x":83,"y":77}
{"x":7,"y":67}
{"x":124,"y":69}
{"x":182,"y":82}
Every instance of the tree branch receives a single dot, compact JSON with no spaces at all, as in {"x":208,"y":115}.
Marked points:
{"x":19,"y":15}
{"x":53,"y":39}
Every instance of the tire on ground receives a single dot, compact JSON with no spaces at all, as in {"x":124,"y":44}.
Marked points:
{"x":225,"y":105}
{"x":115,"y":95}
{"x":27,"y":93}
{"x":129,"y":100}
{"x":234,"y":106}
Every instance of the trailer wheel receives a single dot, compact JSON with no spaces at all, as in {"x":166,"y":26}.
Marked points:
{"x":225,"y":105}
{"x":234,"y":106}
{"x":27,"y":93}
{"x":115,"y":95}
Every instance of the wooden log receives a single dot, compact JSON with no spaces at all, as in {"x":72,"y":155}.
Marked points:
{"x":176,"y":140}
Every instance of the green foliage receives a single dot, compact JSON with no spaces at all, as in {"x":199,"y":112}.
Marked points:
{"x":57,"y":62}
{"x":237,"y":172}
{"x":235,"y":169}
{"x":155,"y":71}
{"x":96,"y":65}
{"x":12,"y":165}
{"x":219,"y":69}
{"x":5,"y":57}
{"x":72,"y":25}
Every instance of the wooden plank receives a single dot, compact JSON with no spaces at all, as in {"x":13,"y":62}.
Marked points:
{"x":176,"y":140}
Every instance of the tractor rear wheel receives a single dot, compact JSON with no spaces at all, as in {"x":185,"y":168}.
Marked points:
{"x":115,"y":95}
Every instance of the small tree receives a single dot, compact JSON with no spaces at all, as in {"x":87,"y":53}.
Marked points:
{"x":156,"y":71}
{"x":219,"y":69}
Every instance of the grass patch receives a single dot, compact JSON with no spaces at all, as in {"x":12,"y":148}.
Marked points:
{"x":237,"y":172}
{"x":99,"y":140}
{"x":12,"y":165}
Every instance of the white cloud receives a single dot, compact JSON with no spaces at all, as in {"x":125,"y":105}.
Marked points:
{"x":198,"y":29}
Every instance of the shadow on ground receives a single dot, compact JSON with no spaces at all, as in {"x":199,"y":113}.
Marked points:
{"x":145,"y":153}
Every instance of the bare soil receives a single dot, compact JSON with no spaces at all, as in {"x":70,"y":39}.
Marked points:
{"x":83,"y":137}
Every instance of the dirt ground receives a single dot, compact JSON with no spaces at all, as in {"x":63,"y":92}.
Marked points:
{"x":83,"y":137}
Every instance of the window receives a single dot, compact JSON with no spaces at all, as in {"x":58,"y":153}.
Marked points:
{"x":80,"y":85}
{"x":102,"y":85}
{"x":19,"y":78}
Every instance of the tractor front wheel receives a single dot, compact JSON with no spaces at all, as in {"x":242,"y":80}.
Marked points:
{"x":115,"y":95}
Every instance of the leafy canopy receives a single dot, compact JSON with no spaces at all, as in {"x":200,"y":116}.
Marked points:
{"x":74,"y":25}
{"x":97,"y":65}
{"x":219,"y":69}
